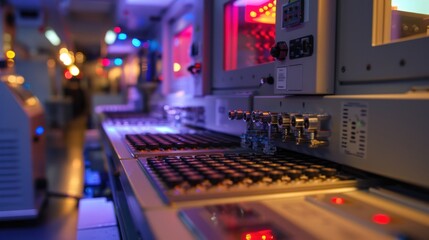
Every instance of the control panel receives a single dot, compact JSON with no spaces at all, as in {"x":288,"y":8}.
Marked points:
{"x":264,"y":128}
{"x":342,"y":215}
{"x":305,"y":47}
{"x":293,"y":13}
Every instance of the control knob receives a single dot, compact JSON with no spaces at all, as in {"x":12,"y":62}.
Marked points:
{"x":279,"y":51}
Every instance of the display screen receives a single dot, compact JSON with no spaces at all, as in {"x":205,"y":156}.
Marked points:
{"x":181,"y":52}
{"x":249,"y":33}
{"x":400,"y":20}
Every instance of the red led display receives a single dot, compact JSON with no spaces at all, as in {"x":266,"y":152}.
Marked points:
{"x":249,"y":33}
{"x":258,"y":235}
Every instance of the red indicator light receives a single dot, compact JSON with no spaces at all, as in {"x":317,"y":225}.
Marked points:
{"x":337,"y":200}
{"x":105,"y":62}
{"x":259,"y":235}
{"x":117,"y":29}
{"x":381,"y":218}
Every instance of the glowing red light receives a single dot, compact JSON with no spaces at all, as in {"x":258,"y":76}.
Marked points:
{"x":68,"y":75}
{"x":117,"y":29}
{"x":105,"y":62}
{"x":337,"y":200}
{"x":381,"y":218}
{"x":259,"y":235}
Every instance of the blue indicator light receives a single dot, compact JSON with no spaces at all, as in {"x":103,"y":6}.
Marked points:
{"x":118,"y":61}
{"x":136,"y":42}
{"x":122,"y":36}
{"x":39,"y":130}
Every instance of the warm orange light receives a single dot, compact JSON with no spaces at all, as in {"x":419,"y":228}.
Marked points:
{"x":176,"y":67}
{"x":99,"y":71}
{"x":66,"y":58}
{"x":50,"y":63}
{"x":20,"y":80}
{"x":31,"y":101}
{"x":63,"y":50}
{"x":248,"y":237}
{"x":262,"y":14}
{"x":74,"y":70}
{"x":10,"y":54}
{"x":80,"y":57}
{"x":337,"y":200}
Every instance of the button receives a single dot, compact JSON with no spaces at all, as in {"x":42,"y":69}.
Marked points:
{"x":256,"y":176}
{"x":215,"y":178}
{"x":283,"y":169}
{"x":236,"y":177}
{"x":173,"y":181}
{"x":300,"y":167}
{"x":328,"y":172}
{"x":294,"y":174}
{"x":311,"y":172}
{"x":275,"y":175}
{"x":195,"y":179}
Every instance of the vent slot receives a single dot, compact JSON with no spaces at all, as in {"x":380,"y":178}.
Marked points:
{"x":354,"y":125}
{"x":10,"y":175}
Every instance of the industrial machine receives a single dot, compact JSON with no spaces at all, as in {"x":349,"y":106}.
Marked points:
{"x":311,"y":103}
{"x":22,"y":151}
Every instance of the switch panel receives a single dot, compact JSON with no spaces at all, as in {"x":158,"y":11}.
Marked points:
{"x":293,"y":13}
{"x":301,"y":47}
{"x":301,"y":25}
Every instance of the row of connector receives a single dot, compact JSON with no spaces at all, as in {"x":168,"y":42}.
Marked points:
{"x":264,"y":127}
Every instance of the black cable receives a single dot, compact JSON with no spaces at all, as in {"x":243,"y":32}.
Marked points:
{"x":64,"y":195}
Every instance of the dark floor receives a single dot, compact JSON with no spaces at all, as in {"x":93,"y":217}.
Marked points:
{"x":71,"y":172}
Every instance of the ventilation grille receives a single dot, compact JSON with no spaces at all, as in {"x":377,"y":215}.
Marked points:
{"x":10,"y":179}
{"x":354,"y":125}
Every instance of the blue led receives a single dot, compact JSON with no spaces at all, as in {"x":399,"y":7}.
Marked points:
{"x":39,"y":130}
{"x":118,"y":61}
{"x":136,"y":42}
{"x":27,"y":86}
{"x":122,"y":36}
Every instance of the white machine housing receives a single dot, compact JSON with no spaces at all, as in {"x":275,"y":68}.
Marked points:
{"x":22,"y":153}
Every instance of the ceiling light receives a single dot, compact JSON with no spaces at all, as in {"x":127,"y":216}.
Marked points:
{"x":118,"y":61}
{"x":122,"y":36}
{"x":110,"y":37}
{"x":52,"y":36}
{"x":74,"y":70}
{"x":66,"y":58}
{"x":136,"y":43}
{"x":10,"y":54}
{"x":117,"y":29}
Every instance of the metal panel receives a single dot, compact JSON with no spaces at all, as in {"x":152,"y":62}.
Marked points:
{"x":395,"y":139}
{"x":360,"y":62}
